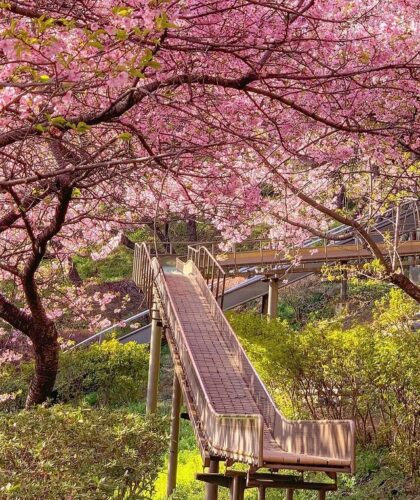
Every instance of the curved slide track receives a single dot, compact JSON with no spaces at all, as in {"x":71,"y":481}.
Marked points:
{"x":233,"y":415}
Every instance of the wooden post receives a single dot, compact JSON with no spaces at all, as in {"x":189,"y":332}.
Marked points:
{"x":273,"y":297}
{"x":289,"y":494}
{"x":173,"y":448}
{"x":237,"y":490}
{"x":154,"y":361}
{"x":212,"y":489}
{"x":322,"y":494}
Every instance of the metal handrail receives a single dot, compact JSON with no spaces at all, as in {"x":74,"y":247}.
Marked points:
{"x":212,"y":271}
{"x":99,"y":336}
{"x":142,"y":272}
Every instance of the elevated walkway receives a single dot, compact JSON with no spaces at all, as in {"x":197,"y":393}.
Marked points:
{"x":257,"y":261}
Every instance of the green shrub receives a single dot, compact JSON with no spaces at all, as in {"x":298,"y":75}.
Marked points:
{"x":311,"y":302}
{"x":367,"y":372}
{"x":66,"y":452}
{"x":319,"y":300}
{"x":117,"y":266}
{"x":104,"y":374}
{"x":376,"y":478}
{"x":109,"y":373}
{"x":14,"y":383}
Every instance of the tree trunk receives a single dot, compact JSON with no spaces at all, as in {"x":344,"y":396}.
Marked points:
{"x":73,"y":273}
{"x":407,"y":285}
{"x":127,"y":242}
{"x":46,"y":351}
{"x":192,"y":230}
{"x":167,"y":238}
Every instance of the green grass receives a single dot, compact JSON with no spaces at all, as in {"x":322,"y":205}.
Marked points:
{"x":189,"y":463}
{"x":117,"y":266}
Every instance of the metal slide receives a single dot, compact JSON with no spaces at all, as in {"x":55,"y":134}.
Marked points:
{"x":250,"y":289}
{"x":255,"y":286}
{"x":232,"y":413}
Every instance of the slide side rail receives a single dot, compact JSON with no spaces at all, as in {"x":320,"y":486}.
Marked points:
{"x":142,"y":272}
{"x":210,"y":269}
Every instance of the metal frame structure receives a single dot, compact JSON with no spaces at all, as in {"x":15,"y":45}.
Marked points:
{"x":406,"y":225}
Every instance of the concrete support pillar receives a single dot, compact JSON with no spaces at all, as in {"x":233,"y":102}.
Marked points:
{"x":237,"y":490}
{"x":154,"y":361}
{"x":173,"y":448}
{"x":273,"y":297}
{"x":289,"y":494}
{"x":212,"y":489}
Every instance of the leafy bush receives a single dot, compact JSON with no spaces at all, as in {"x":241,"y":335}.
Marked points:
{"x":104,"y":374}
{"x":319,"y":300}
{"x":300,"y":304}
{"x":66,"y":452}
{"x":14,"y":383}
{"x":377,"y":477}
{"x":110,"y":373}
{"x":366,"y":372}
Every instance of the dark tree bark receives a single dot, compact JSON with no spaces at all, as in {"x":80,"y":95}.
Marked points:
{"x":127,"y":242}
{"x":340,"y":201}
{"x":162,"y":235}
{"x":73,"y":274}
{"x":168,"y":248}
{"x":44,"y":334}
{"x":46,"y":353}
{"x":192,"y":230}
{"x":406,"y":284}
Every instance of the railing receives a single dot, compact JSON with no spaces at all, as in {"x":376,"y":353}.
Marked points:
{"x":333,"y":439}
{"x":234,"y":436}
{"x":142,"y":272}
{"x":102,"y":335}
{"x":211,"y":270}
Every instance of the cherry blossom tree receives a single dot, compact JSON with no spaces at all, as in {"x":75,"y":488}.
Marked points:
{"x":244,"y":113}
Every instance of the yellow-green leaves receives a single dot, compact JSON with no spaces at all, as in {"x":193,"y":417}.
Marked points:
{"x":125,"y":136}
{"x":43,"y":23}
{"x":81,"y":127}
{"x":122,"y":11}
{"x":162,"y":21}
